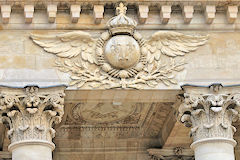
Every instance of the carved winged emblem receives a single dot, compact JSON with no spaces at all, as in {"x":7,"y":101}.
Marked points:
{"x":120,"y":57}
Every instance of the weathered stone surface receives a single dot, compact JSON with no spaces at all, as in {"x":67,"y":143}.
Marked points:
{"x":52,"y":12}
{"x":6,"y":13}
{"x":75,"y":12}
{"x":111,"y":65}
{"x":211,"y":112}
{"x":30,"y":114}
{"x":97,"y":124}
{"x":137,"y":130}
{"x":215,"y":62}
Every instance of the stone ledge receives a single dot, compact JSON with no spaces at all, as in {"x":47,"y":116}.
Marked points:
{"x":184,"y":8}
{"x":91,"y":3}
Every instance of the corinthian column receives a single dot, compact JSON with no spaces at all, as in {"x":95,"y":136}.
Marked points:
{"x":210,"y":111}
{"x":30,"y":114}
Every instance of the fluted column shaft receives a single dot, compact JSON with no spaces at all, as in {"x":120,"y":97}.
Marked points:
{"x":30,"y":115}
{"x":210,"y":111}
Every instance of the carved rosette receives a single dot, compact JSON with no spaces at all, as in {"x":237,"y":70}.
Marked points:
{"x":31,"y":113}
{"x":210,"y":111}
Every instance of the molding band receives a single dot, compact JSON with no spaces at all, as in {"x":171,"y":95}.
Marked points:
{"x":14,"y":145}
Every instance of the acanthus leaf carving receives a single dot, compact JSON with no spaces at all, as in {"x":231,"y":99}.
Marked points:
{"x":211,"y":112}
{"x":120,"y":57}
{"x":30,"y":112}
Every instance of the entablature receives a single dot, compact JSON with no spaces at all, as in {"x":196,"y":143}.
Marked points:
{"x":150,"y":14}
{"x":90,"y":3}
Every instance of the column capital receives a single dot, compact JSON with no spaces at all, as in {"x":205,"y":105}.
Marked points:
{"x":31,"y":113}
{"x":210,"y":111}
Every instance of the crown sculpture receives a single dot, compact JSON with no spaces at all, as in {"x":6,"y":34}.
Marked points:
{"x":121,"y":24}
{"x":120,"y":57}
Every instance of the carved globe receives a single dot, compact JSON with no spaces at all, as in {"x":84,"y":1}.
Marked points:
{"x":122,"y":51}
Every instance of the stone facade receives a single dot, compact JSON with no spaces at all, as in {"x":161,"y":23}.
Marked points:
{"x":133,"y":71}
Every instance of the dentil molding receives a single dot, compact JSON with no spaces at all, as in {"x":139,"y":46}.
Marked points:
{"x":208,"y":9}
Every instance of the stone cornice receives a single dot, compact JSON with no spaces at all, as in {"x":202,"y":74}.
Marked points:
{"x":165,"y":8}
{"x":91,"y":3}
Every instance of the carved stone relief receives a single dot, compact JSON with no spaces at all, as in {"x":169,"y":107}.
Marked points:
{"x":31,"y":114}
{"x":157,"y":120}
{"x":108,"y":120}
{"x":177,"y":153}
{"x":120,"y":57}
{"x":104,"y":112}
{"x":174,"y":157}
{"x":210,"y":112}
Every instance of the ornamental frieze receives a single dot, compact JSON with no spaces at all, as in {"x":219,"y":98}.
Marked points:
{"x":120,"y":57}
{"x":105,"y":113}
{"x":96,"y":119}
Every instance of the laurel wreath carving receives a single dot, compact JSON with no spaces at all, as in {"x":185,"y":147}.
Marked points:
{"x":161,"y":56}
{"x":151,"y":76}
